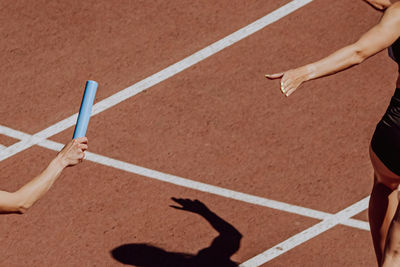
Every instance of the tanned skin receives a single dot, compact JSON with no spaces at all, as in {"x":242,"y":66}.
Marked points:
{"x":384,"y":211}
{"x":22,"y":199}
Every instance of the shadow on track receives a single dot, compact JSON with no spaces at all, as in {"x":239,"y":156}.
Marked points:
{"x":218,"y":253}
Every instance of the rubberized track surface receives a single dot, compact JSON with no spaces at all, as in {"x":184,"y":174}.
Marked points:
{"x":217,"y":123}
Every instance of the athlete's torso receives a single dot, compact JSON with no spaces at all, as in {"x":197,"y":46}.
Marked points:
{"x":394,"y":51}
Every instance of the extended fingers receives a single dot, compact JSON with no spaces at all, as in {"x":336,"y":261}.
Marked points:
{"x":290,"y":91}
{"x":274,"y":76}
{"x":178,"y":200}
{"x":287,"y":91}
{"x":286,"y":85}
{"x":289,"y":85}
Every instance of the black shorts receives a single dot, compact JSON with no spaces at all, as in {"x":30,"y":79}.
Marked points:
{"x":386,"y":139}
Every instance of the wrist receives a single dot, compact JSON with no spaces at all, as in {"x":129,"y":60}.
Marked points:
{"x":58,"y":162}
{"x":206,"y":212}
{"x":310,"y":72}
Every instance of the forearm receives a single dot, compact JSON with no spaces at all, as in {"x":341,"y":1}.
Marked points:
{"x":27,"y":195}
{"x":375,"y":40}
{"x":219,"y":224}
{"x":337,"y":61}
{"x":381,"y":36}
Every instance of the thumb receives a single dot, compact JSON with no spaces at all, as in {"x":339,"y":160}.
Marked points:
{"x":274,"y":76}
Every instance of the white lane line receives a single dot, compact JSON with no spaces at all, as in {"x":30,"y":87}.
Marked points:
{"x":128,"y":167}
{"x":159,"y":76}
{"x":2,"y":147}
{"x":307,"y":234}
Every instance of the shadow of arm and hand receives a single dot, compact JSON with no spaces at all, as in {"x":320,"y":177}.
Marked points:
{"x":223,"y":246}
{"x":218,"y":254}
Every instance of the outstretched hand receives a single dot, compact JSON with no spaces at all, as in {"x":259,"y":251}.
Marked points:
{"x":290,"y":80}
{"x":189,"y":205}
{"x":379,"y":4}
{"x":73,"y":152}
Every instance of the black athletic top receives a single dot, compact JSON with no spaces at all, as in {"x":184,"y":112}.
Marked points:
{"x":394,"y":52}
{"x":386,"y":139}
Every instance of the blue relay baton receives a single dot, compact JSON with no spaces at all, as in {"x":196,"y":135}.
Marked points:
{"x":86,"y":109}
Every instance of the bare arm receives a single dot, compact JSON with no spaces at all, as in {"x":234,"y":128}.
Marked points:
{"x":27,"y":195}
{"x":378,"y":38}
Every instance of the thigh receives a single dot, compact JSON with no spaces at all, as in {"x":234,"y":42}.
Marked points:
{"x":382,"y":173}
